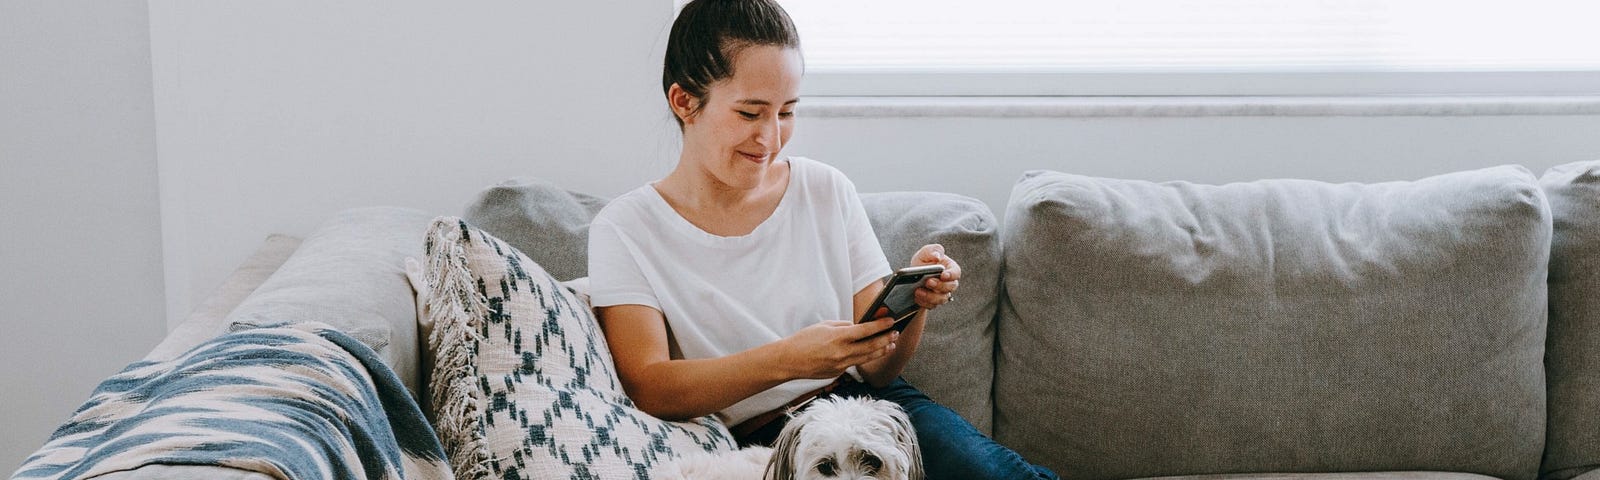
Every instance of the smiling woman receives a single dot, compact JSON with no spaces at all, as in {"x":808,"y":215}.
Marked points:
{"x":731,"y":286}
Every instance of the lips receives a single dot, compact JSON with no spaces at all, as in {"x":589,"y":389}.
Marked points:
{"x":758,"y":158}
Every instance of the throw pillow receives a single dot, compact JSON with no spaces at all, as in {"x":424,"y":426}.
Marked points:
{"x":523,"y":384}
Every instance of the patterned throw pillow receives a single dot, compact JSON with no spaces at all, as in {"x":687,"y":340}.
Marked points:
{"x":523,"y":385}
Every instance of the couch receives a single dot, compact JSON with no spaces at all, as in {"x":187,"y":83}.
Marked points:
{"x":1447,"y":327}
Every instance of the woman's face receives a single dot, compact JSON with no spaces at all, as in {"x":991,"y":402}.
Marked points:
{"x":747,"y":117}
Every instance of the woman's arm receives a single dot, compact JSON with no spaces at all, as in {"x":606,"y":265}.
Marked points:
{"x":683,"y":389}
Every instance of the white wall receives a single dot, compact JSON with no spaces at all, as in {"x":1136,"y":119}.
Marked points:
{"x":273,"y":115}
{"x":81,"y":293}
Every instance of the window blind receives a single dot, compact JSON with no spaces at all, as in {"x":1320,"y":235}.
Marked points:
{"x":1070,"y":36}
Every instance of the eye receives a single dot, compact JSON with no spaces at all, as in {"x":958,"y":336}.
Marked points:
{"x":786,"y":114}
{"x":827,"y":467}
{"x":749,"y":115}
{"x":871,"y":463}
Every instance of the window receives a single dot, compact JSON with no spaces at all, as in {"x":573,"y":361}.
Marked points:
{"x":1199,"y":47}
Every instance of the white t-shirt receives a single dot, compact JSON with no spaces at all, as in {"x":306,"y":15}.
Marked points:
{"x":723,"y":295}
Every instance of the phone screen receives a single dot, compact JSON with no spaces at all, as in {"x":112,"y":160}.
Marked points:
{"x":902,"y":298}
{"x":899,"y":296}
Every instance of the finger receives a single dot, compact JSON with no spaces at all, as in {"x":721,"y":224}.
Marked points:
{"x":930,"y":299}
{"x":952,"y":270}
{"x":876,"y":348}
{"x":837,"y":323}
{"x":930,"y":254}
{"x":874,"y":327}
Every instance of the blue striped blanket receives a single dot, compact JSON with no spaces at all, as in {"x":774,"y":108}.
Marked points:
{"x":300,"y":401}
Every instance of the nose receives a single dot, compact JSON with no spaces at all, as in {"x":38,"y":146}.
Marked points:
{"x":767,"y":133}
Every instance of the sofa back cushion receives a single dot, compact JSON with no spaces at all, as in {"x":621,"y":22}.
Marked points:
{"x":350,"y":273}
{"x":1274,"y":326}
{"x":954,"y":364}
{"x":548,"y":223}
{"x":1573,"y":358}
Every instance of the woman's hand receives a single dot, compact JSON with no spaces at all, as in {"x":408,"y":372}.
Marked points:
{"x":937,"y":291}
{"x":826,"y":349}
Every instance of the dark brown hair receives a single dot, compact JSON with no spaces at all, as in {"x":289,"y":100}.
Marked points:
{"x":708,"y":34}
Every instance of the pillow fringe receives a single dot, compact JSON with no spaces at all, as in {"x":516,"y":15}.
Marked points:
{"x":458,"y":311}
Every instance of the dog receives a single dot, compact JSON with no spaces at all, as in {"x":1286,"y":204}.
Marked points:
{"x":833,"y":438}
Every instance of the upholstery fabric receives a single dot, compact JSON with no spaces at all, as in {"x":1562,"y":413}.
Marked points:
{"x":523,"y":385}
{"x":1335,"y":476}
{"x":206,"y":321}
{"x":350,"y":273}
{"x":954,"y":364}
{"x":1573,"y":358}
{"x":1274,"y":326}
{"x":544,"y":221}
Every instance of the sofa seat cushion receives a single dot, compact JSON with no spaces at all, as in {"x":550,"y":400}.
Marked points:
{"x":1279,"y":325}
{"x":183,"y":472}
{"x":1333,"y":476}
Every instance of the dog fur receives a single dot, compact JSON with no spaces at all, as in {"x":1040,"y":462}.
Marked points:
{"x":833,"y":438}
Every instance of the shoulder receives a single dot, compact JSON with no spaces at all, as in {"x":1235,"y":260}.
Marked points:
{"x":628,"y":209}
{"x":820,"y":178}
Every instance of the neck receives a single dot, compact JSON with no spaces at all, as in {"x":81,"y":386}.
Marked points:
{"x":699,"y":189}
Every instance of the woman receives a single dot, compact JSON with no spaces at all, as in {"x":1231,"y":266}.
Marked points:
{"x":730,"y":286}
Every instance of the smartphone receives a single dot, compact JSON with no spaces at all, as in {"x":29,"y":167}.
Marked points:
{"x":899,"y":295}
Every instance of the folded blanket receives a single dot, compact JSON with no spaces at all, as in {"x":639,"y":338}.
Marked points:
{"x":299,"y":401}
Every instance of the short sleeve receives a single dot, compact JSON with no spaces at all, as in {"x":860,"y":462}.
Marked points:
{"x":867,"y":262}
{"x":615,"y":277}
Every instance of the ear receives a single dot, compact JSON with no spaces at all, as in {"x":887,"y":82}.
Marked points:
{"x":781,"y":467}
{"x":906,"y":436}
{"x":684,"y":105}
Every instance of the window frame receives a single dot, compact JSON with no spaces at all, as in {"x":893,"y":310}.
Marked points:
{"x":1021,"y":83}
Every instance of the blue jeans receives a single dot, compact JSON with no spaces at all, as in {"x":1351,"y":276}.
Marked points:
{"x":951,"y":447}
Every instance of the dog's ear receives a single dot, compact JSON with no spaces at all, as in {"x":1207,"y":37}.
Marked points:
{"x":781,"y":467}
{"x":906,"y":436}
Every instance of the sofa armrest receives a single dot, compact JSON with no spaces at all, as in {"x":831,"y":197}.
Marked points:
{"x":206,"y":320}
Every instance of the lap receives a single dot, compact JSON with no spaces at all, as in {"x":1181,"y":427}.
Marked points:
{"x":951,"y":446}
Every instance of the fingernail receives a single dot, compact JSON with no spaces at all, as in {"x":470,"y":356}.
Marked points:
{"x":891,"y":345}
{"x":894,"y":337}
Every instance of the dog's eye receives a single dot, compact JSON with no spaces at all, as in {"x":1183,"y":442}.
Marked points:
{"x":871,"y":463}
{"x":826,"y":467}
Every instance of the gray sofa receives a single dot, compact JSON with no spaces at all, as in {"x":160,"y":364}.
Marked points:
{"x":1442,"y":328}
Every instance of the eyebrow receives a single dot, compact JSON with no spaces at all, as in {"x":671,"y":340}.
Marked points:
{"x":752,"y":101}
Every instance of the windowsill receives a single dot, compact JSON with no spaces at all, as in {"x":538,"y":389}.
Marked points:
{"x":1089,"y":107}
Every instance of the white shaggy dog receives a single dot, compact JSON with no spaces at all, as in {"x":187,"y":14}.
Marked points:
{"x":834,"y":438}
